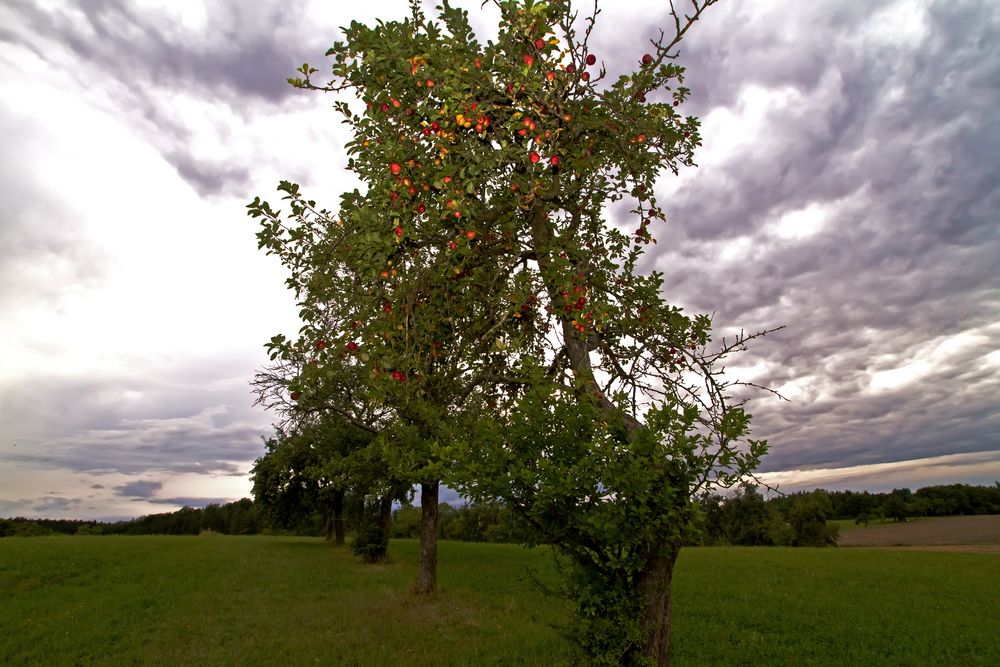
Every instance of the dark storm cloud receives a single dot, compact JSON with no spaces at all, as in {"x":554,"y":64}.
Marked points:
{"x":242,"y":50}
{"x":134,"y":425}
{"x":139,"y":489}
{"x":888,"y":128}
{"x":196,"y":503}
{"x":54,"y":504}
{"x":208,"y":178}
{"x":140,"y":59}
{"x":34,"y":507}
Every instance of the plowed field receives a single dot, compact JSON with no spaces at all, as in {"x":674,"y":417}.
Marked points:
{"x":953,"y":533}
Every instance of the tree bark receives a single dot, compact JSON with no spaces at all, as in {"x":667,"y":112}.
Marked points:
{"x":338,"y":517}
{"x":655,"y":590}
{"x":328,"y":524}
{"x":427,"y":573}
{"x":385,"y":516}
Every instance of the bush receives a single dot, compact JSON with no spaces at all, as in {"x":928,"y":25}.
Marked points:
{"x":372,"y":539}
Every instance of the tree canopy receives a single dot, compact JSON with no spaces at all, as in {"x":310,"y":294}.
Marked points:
{"x":483,"y":290}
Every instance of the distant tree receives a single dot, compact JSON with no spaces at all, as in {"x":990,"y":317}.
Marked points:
{"x":314,"y":467}
{"x":809,"y":516}
{"x":406,"y":522}
{"x":746,"y":518}
{"x":895,"y":507}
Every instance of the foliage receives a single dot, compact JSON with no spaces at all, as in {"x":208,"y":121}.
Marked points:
{"x":477,"y":292}
{"x":312,"y":469}
{"x":743,"y":518}
{"x":20,"y":527}
{"x":809,"y":517}
{"x":371,"y":542}
{"x":474,"y":522}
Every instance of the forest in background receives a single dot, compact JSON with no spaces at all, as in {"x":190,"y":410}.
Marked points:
{"x":745,"y":517}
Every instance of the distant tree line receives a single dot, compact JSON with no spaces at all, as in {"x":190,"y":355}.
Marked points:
{"x":744,"y":517}
{"x":747,"y":518}
{"x":241,"y":517}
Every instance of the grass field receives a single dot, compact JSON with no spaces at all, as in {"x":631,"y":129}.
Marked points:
{"x":297,"y":601}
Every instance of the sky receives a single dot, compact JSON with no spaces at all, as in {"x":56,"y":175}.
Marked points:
{"x":848,"y":189}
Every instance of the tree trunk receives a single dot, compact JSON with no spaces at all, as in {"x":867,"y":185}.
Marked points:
{"x":328,"y":524}
{"x":385,"y":516}
{"x":427,"y":574}
{"x":655,"y":590}
{"x":338,"y":517}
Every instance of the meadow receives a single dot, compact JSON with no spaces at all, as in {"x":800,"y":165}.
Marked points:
{"x":278,"y":600}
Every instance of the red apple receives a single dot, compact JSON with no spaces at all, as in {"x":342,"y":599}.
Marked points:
{"x":591,"y":59}
{"x":534,"y":157}
{"x":395,"y":168}
{"x":585,"y":76}
{"x":571,"y":68}
{"x":554,"y":160}
{"x":539,"y":43}
{"x":295,"y":395}
{"x":320,"y":345}
{"x":398,"y":230}
{"x":470,"y":235}
{"x":528,"y":59}
{"x":352,"y":346}
{"x":646,"y":59}
{"x":452,"y":245}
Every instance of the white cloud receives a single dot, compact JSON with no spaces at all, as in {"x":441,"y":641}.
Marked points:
{"x":978,"y":468}
{"x":930,"y":357}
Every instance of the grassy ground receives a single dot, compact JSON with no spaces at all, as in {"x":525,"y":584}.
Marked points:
{"x":290,"y":601}
{"x":849,"y":524}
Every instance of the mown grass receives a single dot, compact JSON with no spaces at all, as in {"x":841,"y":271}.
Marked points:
{"x":851,"y":524}
{"x":296,"y":601}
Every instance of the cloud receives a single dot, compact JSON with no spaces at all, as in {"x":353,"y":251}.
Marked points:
{"x":848,"y":191}
{"x":141,"y":489}
{"x":982,"y":468}
{"x":55,"y":504}
{"x":196,"y":503}
{"x":178,"y":422}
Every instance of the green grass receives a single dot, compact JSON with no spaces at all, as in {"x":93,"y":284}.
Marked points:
{"x":295,"y":601}
{"x":849,"y":524}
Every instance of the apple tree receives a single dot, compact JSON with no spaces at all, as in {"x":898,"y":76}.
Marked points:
{"x":484,"y":289}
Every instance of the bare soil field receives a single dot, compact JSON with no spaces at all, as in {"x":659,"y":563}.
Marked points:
{"x":953,"y":533}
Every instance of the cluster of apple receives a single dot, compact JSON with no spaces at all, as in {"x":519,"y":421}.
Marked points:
{"x":574,"y":300}
{"x":642,"y":234}
{"x":526,"y":308}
